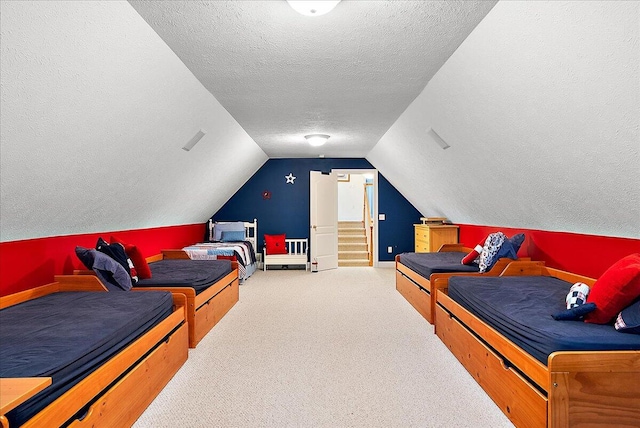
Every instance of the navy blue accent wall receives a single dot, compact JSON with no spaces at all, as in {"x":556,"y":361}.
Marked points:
{"x":397,"y":229}
{"x":287,"y":211}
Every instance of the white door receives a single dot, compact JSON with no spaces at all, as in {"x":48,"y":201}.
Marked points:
{"x":324,"y":219}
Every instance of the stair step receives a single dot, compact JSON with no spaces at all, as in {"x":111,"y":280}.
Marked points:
{"x":350,"y":231}
{"x":351,"y":252}
{"x":353,"y":263}
{"x":359,"y":224}
{"x":344,"y":239}
{"x":352,"y":246}
{"x":351,"y":255}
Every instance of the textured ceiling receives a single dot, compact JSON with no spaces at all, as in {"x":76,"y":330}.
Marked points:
{"x":281,"y":75}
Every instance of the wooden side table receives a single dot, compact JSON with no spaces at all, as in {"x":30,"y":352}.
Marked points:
{"x":15,"y":391}
{"x":429,"y":238}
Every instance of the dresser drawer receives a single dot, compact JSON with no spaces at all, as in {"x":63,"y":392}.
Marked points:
{"x":422,"y":234}
{"x":431,"y":238}
{"x":422,"y":240}
{"x":422,"y":247}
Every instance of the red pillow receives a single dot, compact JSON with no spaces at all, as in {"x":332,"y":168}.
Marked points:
{"x":469,"y":258}
{"x":138,"y":260}
{"x":275,"y":244}
{"x":616,"y":289}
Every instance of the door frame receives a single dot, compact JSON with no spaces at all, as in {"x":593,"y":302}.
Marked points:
{"x":375,"y":204}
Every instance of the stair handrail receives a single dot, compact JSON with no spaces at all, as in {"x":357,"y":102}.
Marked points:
{"x":368,"y":224}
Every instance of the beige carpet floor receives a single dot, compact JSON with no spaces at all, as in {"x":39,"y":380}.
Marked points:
{"x":339,"y":348}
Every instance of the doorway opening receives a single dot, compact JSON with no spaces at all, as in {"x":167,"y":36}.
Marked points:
{"x":357,"y":217}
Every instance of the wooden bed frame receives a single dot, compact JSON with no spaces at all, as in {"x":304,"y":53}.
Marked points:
{"x":206,"y":309}
{"x":296,"y":254}
{"x":140,"y":371}
{"x":418,"y":290}
{"x":575,"y":388}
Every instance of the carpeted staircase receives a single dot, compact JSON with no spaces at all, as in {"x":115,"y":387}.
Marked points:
{"x":352,"y":244}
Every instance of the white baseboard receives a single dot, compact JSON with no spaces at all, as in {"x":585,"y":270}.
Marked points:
{"x":387,"y":264}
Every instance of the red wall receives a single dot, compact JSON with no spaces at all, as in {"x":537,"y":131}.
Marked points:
{"x":34,"y":262}
{"x":588,"y":255}
{"x":31,"y":263}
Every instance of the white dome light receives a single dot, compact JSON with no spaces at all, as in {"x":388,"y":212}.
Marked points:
{"x":316,"y":139}
{"x":313,"y":8}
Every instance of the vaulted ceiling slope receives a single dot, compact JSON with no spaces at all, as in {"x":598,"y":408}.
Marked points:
{"x":281,"y":75}
{"x":95,"y":111}
{"x":541,"y":108}
{"x":540,"y":104}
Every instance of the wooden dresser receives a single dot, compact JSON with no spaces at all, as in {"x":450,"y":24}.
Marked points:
{"x":430,"y":237}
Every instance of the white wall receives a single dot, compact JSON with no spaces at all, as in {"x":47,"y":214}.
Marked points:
{"x":95,"y":110}
{"x":541,"y":107}
{"x":351,"y":198}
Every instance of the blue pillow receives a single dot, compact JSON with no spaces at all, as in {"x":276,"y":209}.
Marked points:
{"x":628,"y":321}
{"x":109,"y":272}
{"x":516,"y":241}
{"x":506,"y":250}
{"x":116,"y":252}
{"x":575,"y":313}
{"x":232,"y":236}
{"x":509,"y":249}
{"x":235,"y":226}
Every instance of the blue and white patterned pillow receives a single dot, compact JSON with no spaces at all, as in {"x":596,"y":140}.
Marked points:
{"x":578,"y":294}
{"x":577,"y":306}
{"x":490,"y":250}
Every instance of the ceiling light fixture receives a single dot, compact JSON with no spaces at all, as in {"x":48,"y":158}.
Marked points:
{"x":316,"y":139}
{"x":313,"y":8}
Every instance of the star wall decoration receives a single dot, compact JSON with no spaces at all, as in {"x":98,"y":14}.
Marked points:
{"x":290,"y":178}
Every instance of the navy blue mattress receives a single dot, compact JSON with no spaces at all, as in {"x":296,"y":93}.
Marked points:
{"x":427,"y":263}
{"x":66,"y":336}
{"x":197,"y":274}
{"x":520,"y":308}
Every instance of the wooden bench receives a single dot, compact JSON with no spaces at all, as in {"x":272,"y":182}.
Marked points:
{"x":296,"y":254}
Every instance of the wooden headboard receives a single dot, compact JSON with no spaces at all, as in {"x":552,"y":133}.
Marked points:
{"x":250,"y":232}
